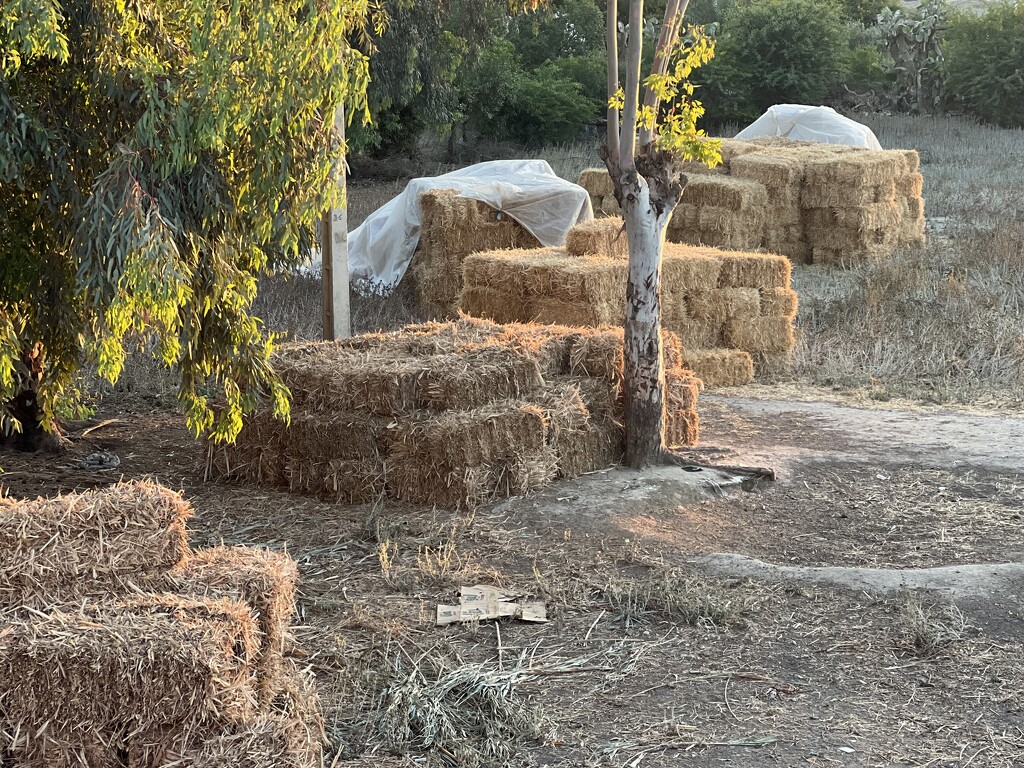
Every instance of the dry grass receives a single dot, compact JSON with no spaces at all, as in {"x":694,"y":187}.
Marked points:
{"x":679,"y":597}
{"x":929,"y":631}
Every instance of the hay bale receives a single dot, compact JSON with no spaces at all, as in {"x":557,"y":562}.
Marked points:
{"x":770,"y":335}
{"x":108,"y":671}
{"x":694,"y":333}
{"x":90,"y":543}
{"x":782,"y":302}
{"x":598,"y":445}
{"x":910,"y":185}
{"x":682,"y":424}
{"x":340,"y":481}
{"x":753,"y":270}
{"x":777,"y":172}
{"x":912,"y":222}
{"x":726,"y":192}
{"x":451,"y":228}
{"x":597,"y":182}
{"x":834,"y":196}
{"x":734,"y":148}
{"x":599,"y":237}
{"x":720,"y":367}
{"x":686,"y":269}
{"x":262,"y":579}
{"x":721,"y":304}
{"x":258,"y":454}
{"x":478,"y":376}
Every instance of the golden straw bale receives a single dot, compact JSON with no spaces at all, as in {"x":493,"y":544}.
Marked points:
{"x":592,"y":280}
{"x":578,"y":313}
{"x":911,"y":160}
{"x":685,"y":217}
{"x":695,"y":334}
{"x":477,"y":376}
{"x":112,"y":670}
{"x":910,"y":185}
{"x":597,"y":182}
{"x":682,"y":427}
{"x":912,"y":224}
{"x":563,"y":406}
{"x":258,"y":454}
{"x":797,"y":251}
{"x":777,"y":172}
{"x":720,"y":367}
{"x":870,"y":217}
{"x":860,"y":169}
{"x":725,"y":192}
{"x":609,"y":206}
{"x":260,"y":578}
{"x":833,"y":195}
{"x":602,"y":398}
{"x":597,"y":445}
{"x":753,"y":270}
{"x":782,"y":302}
{"x":89,"y":543}
{"x":494,"y":304}
{"x":733,"y":148}
{"x":599,"y":237}
{"x":598,"y":353}
{"x":721,"y":304}
{"x":772,"y":335}
{"x":686,"y":269}
{"x":473,"y":437}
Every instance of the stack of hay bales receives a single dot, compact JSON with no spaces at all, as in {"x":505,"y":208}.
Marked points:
{"x":120,"y":646}
{"x":451,"y":228}
{"x":815,"y":203}
{"x":726,"y":307}
{"x":449,"y":414}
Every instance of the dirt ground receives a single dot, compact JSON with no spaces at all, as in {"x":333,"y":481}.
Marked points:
{"x":648,"y":658}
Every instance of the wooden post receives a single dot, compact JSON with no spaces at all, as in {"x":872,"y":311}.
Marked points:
{"x":334,"y":257}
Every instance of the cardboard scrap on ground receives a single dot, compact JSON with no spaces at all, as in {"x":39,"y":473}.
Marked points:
{"x":481,"y":603}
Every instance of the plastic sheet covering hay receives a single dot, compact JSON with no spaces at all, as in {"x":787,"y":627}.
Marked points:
{"x":86,"y":544}
{"x":720,"y":367}
{"x":104,"y":672}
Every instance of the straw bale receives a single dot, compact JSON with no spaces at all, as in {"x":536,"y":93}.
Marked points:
{"x":782,"y":302}
{"x":475,"y":377}
{"x":563,"y":406}
{"x":468,"y":438}
{"x":753,"y":270}
{"x":342,"y":481}
{"x":111,"y":670}
{"x":577,"y":313}
{"x":748,"y":222}
{"x":797,"y":251}
{"x":844,"y":257}
{"x":686,"y":269}
{"x":682,"y":426}
{"x":773,"y":335}
{"x":526,"y":472}
{"x":839,"y":196}
{"x":598,"y":445}
{"x":598,"y":237}
{"x":260,"y":578}
{"x":870,"y":168}
{"x":89,"y":543}
{"x":597,"y":182}
{"x":867,"y":218}
{"x":912,"y":224}
{"x":336,"y":435}
{"x":695,"y":334}
{"x":258,"y":454}
{"x":602,"y":398}
{"x":776,"y":172}
{"x":733,"y":148}
{"x":727,"y":192}
{"x":720,"y":367}
{"x":497,"y":305}
{"x":910,"y":185}
{"x":911,"y":159}
{"x":685,"y":217}
{"x":592,"y":280}
{"x":451,"y":228}
{"x":609,"y":206}
{"x":599,"y":353}
{"x":721,"y":304}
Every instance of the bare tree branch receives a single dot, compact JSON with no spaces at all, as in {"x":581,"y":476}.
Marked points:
{"x":627,"y":136}
{"x":673,"y":22}
{"x":613,"y":83}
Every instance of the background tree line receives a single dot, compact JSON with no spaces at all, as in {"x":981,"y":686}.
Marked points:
{"x":473,"y":68}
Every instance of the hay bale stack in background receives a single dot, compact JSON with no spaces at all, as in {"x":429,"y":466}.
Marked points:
{"x":781,"y":174}
{"x":492,"y":411}
{"x":720,"y":211}
{"x":710,"y":298}
{"x":179,"y":652}
{"x":451,"y":228}
{"x":598,"y":237}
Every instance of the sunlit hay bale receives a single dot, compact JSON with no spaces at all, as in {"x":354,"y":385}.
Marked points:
{"x":549,"y":345}
{"x":682,"y":424}
{"x":601,"y":398}
{"x":477,"y":376}
{"x":867,"y":218}
{"x":260,"y":578}
{"x":89,"y":543}
{"x":289,"y":733}
{"x":563,"y":406}
{"x":429,"y":338}
{"x":498,"y":305}
{"x":733,"y":148}
{"x":771,"y":335}
{"x":833,"y":196}
{"x":573,"y":279}
{"x":722,"y":228}
{"x":721,"y":304}
{"x":725,"y":192}
{"x":912,"y":221}
{"x":488,"y":289}
{"x":599,"y":353}
{"x":599,"y":237}
{"x":686,"y":268}
{"x":782,"y":302}
{"x":910,"y":185}
{"x":720,"y":367}
{"x":753,"y":270}
{"x":911,"y":160}
{"x":577,"y":314}
{"x":780,"y":173}
{"x":597,"y":445}
{"x":258,"y":454}
{"x":108,"y":671}
{"x":597,"y":182}
{"x":451,"y":228}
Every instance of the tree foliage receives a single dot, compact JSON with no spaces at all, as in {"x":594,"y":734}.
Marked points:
{"x":156,"y":158}
{"x":985,"y":63}
{"x":913,"y":56}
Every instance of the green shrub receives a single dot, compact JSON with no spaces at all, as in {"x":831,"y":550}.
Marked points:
{"x":775,"y":52}
{"x":985,"y":63}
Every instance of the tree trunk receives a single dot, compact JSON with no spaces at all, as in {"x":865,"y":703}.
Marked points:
{"x":26,"y":409}
{"x":643,"y":360}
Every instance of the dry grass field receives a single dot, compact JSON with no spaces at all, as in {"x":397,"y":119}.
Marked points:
{"x":654,"y":655}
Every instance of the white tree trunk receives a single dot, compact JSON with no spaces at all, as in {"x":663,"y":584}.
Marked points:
{"x":644,"y":383}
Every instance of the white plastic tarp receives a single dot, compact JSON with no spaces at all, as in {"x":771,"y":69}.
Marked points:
{"x":803,"y":123}
{"x":381,"y":248}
